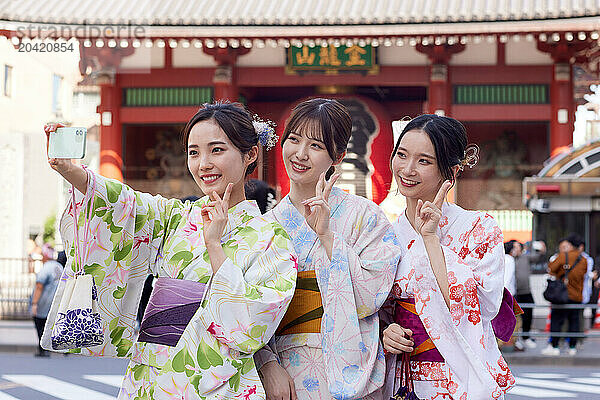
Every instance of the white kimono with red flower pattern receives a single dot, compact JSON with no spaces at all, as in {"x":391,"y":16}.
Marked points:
{"x":473,"y":248}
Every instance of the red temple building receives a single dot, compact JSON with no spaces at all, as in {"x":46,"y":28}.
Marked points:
{"x":505,"y":69}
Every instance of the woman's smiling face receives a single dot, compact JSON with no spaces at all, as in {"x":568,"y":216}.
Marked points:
{"x":415,"y":166}
{"x":214,"y":161}
{"x":305,"y":156}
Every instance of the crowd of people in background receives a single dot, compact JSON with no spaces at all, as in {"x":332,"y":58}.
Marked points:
{"x":582,"y":286}
{"x":518,"y":267}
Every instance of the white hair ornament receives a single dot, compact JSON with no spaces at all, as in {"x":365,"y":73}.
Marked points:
{"x":471,"y":157}
{"x":265,"y":131}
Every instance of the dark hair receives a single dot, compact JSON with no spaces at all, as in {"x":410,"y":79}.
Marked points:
{"x":233,"y":119}
{"x":509,"y":246}
{"x":262,"y":193}
{"x":192,"y":198}
{"x":62,"y":258}
{"x":449,"y":139}
{"x":330,"y":117}
{"x":575,"y":239}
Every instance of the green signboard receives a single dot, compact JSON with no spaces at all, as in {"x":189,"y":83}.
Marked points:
{"x":331,"y":59}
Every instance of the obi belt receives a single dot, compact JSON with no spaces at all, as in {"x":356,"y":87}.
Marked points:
{"x":171,"y":306}
{"x":505,"y":321}
{"x":406,"y":316}
{"x":306,"y":308}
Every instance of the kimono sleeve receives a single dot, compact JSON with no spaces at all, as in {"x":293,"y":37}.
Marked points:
{"x":462,"y":331}
{"x":371,"y":259}
{"x":119,"y":233}
{"x":486,"y":258}
{"x":245,"y":304}
{"x":265,"y":355}
{"x":475,"y":270}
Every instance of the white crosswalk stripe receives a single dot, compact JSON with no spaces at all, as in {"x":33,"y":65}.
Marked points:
{"x":4,"y":396}
{"x":553,"y":384}
{"x":539,"y":393}
{"x":589,"y":381}
{"x":540,"y":385}
{"x":112,"y":380}
{"x":544,"y":375}
{"x":57,"y":388}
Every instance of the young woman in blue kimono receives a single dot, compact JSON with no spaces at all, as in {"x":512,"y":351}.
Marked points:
{"x":225,"y":274}
{"x":327,"y":344}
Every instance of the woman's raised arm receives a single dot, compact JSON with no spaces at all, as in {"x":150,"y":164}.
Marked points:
{"x":74,"y":174}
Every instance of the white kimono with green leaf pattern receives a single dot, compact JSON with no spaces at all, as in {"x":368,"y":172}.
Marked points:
{"x":132,"y":234}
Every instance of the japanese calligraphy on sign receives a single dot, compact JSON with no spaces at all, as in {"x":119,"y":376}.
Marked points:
{"x":331,"y":59}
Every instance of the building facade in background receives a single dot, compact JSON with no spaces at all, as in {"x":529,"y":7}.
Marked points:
{"x":506,"y":72}
{"x":36,"y":88}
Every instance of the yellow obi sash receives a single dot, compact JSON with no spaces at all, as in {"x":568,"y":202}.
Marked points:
{"x":306,"y":308}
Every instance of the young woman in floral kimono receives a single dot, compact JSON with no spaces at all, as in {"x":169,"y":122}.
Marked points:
{"x":219,"y":245}
{"x":327,"y":344}
{"x":449,"y":284}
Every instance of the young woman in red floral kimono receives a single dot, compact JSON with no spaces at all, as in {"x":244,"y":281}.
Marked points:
{"x":449,"y":286}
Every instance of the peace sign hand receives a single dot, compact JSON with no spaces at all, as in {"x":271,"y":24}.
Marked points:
{"x":215,"y":216}
{"x":316,"y":209}
{"x":428,"y":214}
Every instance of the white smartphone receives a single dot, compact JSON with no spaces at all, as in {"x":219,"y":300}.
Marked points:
{"x":67,"y":143}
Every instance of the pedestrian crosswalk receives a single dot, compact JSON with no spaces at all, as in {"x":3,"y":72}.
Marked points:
{"x":111,"y":380}
{"x":529,"y":386}
{"x":60,"y":389}
{"x":555,"y":386}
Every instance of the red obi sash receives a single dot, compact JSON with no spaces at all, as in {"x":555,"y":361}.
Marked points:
{"x":406,"y":316}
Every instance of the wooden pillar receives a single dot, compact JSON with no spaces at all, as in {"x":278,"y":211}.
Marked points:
{"x":225,"y":87}
{"x":440,"y":85}
{"x":111,"y":140}
{"x":562,"y":98}
{"x":440,"y":90}
{"x":562,"y":105}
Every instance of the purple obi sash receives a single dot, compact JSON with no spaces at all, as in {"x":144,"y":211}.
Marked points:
{"x":172,"y":305}
{"x":505,"y":321}
{"x":424,"y":348}
{"x":406,"y":316}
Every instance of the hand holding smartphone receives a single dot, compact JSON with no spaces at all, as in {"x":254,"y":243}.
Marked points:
{"x":67,"y":143}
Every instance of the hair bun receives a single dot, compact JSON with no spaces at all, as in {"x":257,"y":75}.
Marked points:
{"x":471,"y":157}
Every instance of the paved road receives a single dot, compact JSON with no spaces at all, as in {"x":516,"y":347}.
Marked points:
{"x":535,"y":382}
{"x":24,"y":377}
